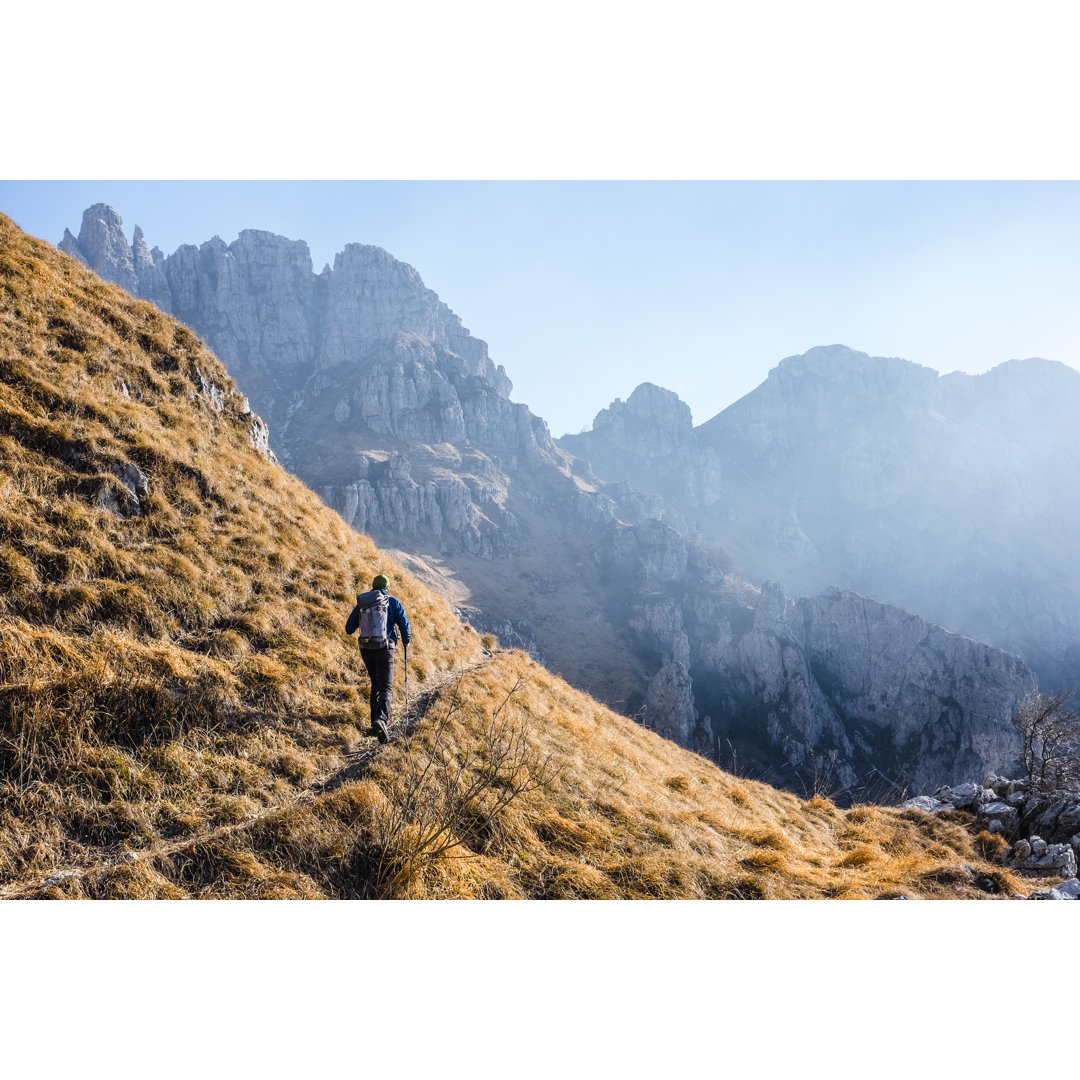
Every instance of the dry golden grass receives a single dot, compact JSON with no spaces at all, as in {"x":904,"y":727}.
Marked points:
{"x":161,"y":670}
{"x":181,"y":712}
{"x":608,"y":826}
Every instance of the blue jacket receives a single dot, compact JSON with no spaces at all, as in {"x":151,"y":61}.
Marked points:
{"x":395,"y":616}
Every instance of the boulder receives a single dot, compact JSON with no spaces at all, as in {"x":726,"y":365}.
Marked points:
{"x":1036,"y":856}
{"x":1067,"y":890}
{"x":131,"y":476}
{"x":926,"y":803}
{"x":1055,"y":817}
{"x":136,"y":488}
{"x":998,"y":784}
{"x":960,"y":797}
{"x":997,"y":817}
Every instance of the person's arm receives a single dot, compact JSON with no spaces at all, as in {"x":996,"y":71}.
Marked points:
{"x":354,"y":621}
{"x":402,"y":622}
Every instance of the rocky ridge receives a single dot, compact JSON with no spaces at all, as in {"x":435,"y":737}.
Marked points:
{"x":381,"y":400}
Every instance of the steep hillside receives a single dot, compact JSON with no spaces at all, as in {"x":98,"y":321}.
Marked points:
{"x":381,"y":401}
{"x":179,"y":706}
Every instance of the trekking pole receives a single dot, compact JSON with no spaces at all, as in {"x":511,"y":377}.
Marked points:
{"x":406,"y":646}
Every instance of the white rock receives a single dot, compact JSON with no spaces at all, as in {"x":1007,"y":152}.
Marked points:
{"x":962,"y":796}
{"x":925,"y":802}
{"x":57,"y":878}
{"x":1068,"y":890}
{"x":998,"y":817}
{"x":1036,"y":856}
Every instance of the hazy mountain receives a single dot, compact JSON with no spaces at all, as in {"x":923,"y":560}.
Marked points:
{"x":954,"y":496}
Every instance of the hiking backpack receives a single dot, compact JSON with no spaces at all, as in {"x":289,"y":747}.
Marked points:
{"x":374,"y":616}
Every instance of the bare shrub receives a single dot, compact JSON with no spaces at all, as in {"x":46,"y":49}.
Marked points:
{"x":1050,"y":733}
{"x":450,"y":799}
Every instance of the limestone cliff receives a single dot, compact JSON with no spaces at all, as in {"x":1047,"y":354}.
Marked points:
{"x":836,"y":692}
{"x":102,"y":246}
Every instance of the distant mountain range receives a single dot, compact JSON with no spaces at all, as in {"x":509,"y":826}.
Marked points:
{"x":955,"y":496}
{"x":651,"y":562}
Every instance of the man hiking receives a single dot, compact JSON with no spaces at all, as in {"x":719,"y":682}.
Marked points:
{"x":376,"y":615}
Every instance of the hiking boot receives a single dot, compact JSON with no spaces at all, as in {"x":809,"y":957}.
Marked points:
{"x":381,"y":732}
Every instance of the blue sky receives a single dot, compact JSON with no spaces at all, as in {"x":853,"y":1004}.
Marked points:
{"x":585,"y":289}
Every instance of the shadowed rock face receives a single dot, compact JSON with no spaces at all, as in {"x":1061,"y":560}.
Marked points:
{"x":836,"y":691}
{"x":380,"y":400}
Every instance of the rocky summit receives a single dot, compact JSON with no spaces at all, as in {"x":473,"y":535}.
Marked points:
{"x":622,"y":559}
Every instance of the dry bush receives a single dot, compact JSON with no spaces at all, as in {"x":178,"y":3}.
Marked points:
{"x":991,"y":846}
{"x":449,"y":800}
{"x":1050,"y":734}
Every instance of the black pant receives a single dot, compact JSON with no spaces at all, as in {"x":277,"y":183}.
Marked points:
{"x":380,"y":669}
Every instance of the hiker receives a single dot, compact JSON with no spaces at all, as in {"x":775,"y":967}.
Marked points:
{"x":376,"y":615}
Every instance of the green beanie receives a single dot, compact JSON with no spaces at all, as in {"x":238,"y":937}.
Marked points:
{"x":381,"y":582}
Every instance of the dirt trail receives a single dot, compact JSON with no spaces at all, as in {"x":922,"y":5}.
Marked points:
{"x":352,"y":766}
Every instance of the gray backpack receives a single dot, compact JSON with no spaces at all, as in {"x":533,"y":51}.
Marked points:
{"x":374,"y":616}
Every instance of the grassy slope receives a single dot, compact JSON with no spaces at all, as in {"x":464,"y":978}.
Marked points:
{"x":179,"y":706}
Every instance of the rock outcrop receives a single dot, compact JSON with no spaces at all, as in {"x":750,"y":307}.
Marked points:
{"x":650,"y":441}
{"x":102,"y":246}
{"x":1043,"y":830}
{"x":835,"y":692}
{"x":861,"y":696}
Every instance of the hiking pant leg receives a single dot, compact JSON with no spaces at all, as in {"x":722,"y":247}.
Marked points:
{"x":380,"y":669}
{"x":371,"y":662}
{"x":386,"y":685}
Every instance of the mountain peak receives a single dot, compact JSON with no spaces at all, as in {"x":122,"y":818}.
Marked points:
{"x":650,"y":423}
{"x":840,"y":361}
{"x":104,"y":213}
{"x":105,"y":248}
{"x":652,"y":402}
{"x":1034,"y":366}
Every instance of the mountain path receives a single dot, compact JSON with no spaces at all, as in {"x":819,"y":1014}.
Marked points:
{"x":357,"y":762}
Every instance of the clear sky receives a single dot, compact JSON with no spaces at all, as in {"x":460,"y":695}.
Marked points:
{"x":585,"y":289}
